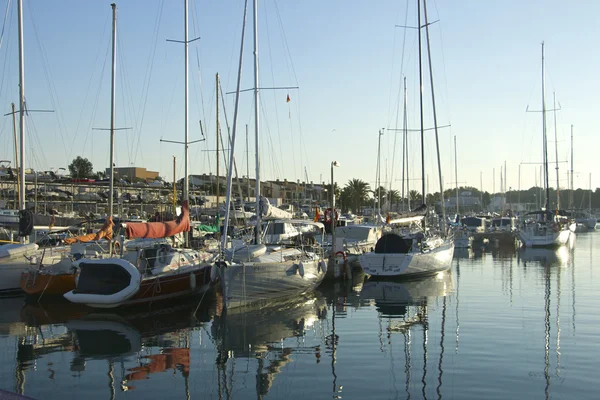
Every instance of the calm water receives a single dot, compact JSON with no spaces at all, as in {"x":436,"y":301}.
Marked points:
{"x":502,"y":324}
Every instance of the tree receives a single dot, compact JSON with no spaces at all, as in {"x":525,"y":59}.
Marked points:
{"x":415,"y":198}
{"x":355,"y":194}
{"x":81,"y":168}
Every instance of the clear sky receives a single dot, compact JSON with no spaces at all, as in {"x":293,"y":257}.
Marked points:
{"x":347,"y":58}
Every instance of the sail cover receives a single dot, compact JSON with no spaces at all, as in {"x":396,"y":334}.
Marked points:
{"x":106,"y":232}
{"x":269,"y":211}
{"x":157,"y":230}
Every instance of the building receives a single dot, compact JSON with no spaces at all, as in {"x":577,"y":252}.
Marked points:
{"x":133,"y":174}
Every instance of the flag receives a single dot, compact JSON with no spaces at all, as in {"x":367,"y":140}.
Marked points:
{"x":317,"y":215}
{"x":288,"y":99}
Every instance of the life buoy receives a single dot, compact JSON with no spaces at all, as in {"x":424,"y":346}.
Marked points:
{"x":342,"y":254}
{"x":328,"y":213}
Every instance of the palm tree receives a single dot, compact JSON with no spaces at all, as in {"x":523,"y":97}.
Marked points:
{"x":355,"y":194}
{"x":415,"y":198}
{"x":394,"y":197}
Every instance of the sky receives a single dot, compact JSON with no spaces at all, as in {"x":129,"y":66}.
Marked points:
{"x":344,"y":62}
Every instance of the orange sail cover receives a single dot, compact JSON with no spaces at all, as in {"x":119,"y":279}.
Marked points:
{"x":106,"y":232}
{"x":157,"y":230}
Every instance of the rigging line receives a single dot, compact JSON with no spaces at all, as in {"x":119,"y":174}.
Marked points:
{"x":7,"y":63}
{"x":285,"y":41}
{"x":148,"y":75}
{"x":4,"y":22}
{"x":195,"y":24}
{"x":127,"y":98}
{"x":87,"y":92}
{"x":270,"y":52}
{"x":95,"y":105}
{"x":50,"y":84}
{"x":446,"y":104}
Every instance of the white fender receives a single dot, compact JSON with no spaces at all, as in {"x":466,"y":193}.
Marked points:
{"x":301,"y":269}
{"x":323,"y":266}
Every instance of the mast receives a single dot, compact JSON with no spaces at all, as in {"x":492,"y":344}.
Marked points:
{"x":556,"y":155}
{"x":456,"y":174}
{"x":378,"y":180}
{"x":21,"y":110}
{"x":186,"y":108}
{"x":256,"y":125}
{"x":218,"y":129}
{"x":235,"y":118}
{"x":404,"y":151}
{"x":544,"y":134}
{"x":111,"y":184}
{"x":421,"y":104}
{"x":247,"y":167}
{"x":435,"y":125}
{"x":572,"y":188}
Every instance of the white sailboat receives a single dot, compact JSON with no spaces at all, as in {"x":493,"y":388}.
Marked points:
{"x":545,"y":228}
{"x":257,"y":272}
{"x":423,"y":252}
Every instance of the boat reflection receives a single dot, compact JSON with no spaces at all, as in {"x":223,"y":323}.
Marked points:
{"x":260,"y":332}
{"x":156,"y":340}
{"x":545,"y":257}
{"x":392,"y":297}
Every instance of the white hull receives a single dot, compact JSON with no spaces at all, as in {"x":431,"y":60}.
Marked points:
{"x":531,"y":238}
{"x":12,"y":264}
{"x":246,"y":283}
{"x":408,"y":264}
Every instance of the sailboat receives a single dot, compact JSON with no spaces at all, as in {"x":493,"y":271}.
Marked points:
{"x":423,"y":252}
{"x":149,"y":270}
{"x":545,"y":228}
{"x":258,"y":271}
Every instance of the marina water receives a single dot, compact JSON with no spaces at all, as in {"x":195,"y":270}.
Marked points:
{"x":503,"y":323}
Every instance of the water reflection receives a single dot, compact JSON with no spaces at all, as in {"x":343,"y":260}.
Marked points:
{"x":403,"y":308}
{"x":260,"y":332}
{"x":392,"y":298}
{"x":155,"y":340}
{"x":544,"y":257}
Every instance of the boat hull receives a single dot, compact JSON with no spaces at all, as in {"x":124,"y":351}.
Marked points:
{"x":246,"y":283}
{"x":136,"y":289}
{"x":548,"y":239}
{"x":37,"y":283}
{"x":411,"y":264}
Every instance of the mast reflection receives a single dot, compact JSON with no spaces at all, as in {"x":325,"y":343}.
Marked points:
{"x":405,"y":306}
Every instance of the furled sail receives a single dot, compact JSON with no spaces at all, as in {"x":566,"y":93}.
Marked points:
{"x":157,"y":230}
{"x":106,"y":232}
{"x":270,"y":211}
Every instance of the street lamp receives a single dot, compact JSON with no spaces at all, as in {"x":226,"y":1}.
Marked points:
{"x":333,"y":164}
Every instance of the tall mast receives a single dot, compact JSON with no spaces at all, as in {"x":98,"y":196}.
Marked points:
{"x":233,"y":134}
{"x":544,"y":133}
{"x":247,"y":167}
{"x":404,"y":152}
{"x":435,"y":125}
{"x":572,"y":187}
{"x":456,"y":174}
{"x":556,"y":155}
{"x":21,"y":109}
{"x":186,"y":107}
{"x":218,"y":129}
{"x":421,"y":104}
{"x":256,"y":125}
{"x":111,"y":184}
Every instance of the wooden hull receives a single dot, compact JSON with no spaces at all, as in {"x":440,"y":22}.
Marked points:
{"x":170,"y":287}
{"x":35,"y":283}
